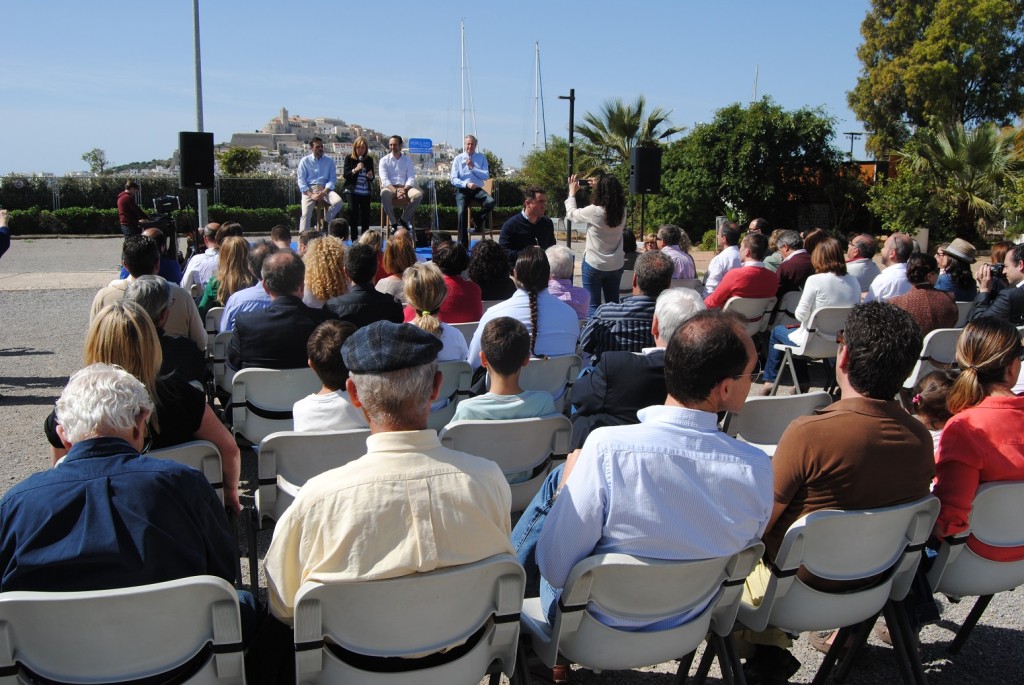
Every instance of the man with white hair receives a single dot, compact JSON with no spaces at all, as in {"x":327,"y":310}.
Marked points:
{"x":107,"y":517}
{"x":622,"y":383}
{"x":560,"y":258}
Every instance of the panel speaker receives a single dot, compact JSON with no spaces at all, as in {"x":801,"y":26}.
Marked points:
{"x":195,"y":156}
{"x":645,"y":170}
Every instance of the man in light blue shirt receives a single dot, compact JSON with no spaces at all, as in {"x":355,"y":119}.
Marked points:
{"x":317,"y":174}
{"x":671,"y":487}
{"x":469,"y":172}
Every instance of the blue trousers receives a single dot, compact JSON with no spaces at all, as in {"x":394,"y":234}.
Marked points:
{"x":601,"y":284}
{"x":780,"y":336}
{"x":527,"y":533}
{"x":462,"y":197}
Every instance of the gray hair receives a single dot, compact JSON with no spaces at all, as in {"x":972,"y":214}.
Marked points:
{"x":790,"y":239}
{"x":560,"y":259}
{"x":396,"y":397}
{"x":101,"y":400}
{"x":674,"y":307}
{"x":866,"y":245}
{"x":669,"y":233}
{"x":152,"y":293}
{"x":653,"y":273}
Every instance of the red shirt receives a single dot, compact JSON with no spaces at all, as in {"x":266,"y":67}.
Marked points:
{"x":462,"y":305}
{"x":128,"y":213}
{"x":745,"y":281}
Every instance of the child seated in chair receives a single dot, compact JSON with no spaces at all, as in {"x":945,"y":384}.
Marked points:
{"x":329,"y":409}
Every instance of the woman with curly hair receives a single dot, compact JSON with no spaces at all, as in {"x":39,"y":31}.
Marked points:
{"x":325,"y":271}
{"x":399,"y":255}
{"x":425,"y":291}
{"x":605,"y":217}
{"x":232,"y":274}
{"x":488,"y":268}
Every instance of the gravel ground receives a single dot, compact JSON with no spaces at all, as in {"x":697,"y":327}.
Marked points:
{"x":46,"y":287}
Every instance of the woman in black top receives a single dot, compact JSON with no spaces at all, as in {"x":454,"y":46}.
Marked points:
{"x":359,"y":174}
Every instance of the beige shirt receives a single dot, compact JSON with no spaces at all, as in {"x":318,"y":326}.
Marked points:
{"x":183,"y":320}
{"x":408,"y":506}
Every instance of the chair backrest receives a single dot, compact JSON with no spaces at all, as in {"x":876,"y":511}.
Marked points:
{"x":822,"y":328}
{"x":995,"y":520}
{"x":626,"y":282}
{"x":785,"y":314}
{"x":213,"y":317}
{"x":763,"y":420}
{"x":487,"y":304}
{"x":467,"y":329}
{"x":262,"y":400}
{"x":843,"y":546}
{"x":288,"y":459}
{"x":200,"y":455}
{"x":754,"y":310}
{"x":195,"y":290}
{"x":708,"y":591}
{"x":937,"y":352}
{"x":516,"y":445}
{"x":552,"y":374}
{"x":222,"y":375}
{"x":963,"y":311}
{"x":104,"y":636}
{"x":456,"y":381}
{"x":691,"y":283}
{"x":413,"y":616}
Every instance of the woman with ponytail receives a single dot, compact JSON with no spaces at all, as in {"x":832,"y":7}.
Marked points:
{"x":424,"y":289}
{"x":553,"y":325}
{"x":981,"y":443}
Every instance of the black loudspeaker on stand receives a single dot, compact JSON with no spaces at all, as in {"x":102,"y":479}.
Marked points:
{"x":195,"y":159}
{"x":644,"y":176}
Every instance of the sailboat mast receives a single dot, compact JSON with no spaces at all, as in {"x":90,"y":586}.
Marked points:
{"x":536,"y":95}
{"x":462,"y":79}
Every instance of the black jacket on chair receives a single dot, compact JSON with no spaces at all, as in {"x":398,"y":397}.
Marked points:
{"x":275,"y":337}
{"x":363,"y":304}
{"x":1007,"y":305}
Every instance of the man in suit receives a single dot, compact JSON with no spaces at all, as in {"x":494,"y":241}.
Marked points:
{"x":1009,"y":303}
{"x":363,"y":304}
{"x":796,"y":263}
{"x":624,"y":382}
{"x":276,"y":337}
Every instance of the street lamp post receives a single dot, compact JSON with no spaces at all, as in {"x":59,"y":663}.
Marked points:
{"x":201,"y":192}
{"x":571,"y":97}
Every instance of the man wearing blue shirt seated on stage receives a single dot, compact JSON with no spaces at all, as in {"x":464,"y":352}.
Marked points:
{"x":469,"y":173}
{"x":318,"y":174}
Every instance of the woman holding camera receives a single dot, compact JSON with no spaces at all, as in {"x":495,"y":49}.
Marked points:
{"x":603,"y":257}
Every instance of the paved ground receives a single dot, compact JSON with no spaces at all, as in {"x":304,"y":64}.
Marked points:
{"x":46,"y":286}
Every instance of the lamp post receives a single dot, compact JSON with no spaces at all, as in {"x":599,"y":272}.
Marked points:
{"x":571,"y":97}
{"x":201,"y":192}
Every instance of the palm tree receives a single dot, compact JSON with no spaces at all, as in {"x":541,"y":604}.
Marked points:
{"x":968,"y":168}
{"x":620,"y":126}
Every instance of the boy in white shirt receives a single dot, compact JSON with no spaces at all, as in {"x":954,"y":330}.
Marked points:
{"x":329,"y":409}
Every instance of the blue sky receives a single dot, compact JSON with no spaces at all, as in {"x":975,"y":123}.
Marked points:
{"x":120,"y":76}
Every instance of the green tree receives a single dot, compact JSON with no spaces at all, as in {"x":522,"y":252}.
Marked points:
{"x":548,"y":169}
{"x":495,"y":166}
{"x":236,"y":161}
{"x":904,"y":203}
{"x":619,"y":126}
{"x":955,"y":61}
{"x":96,"y":159}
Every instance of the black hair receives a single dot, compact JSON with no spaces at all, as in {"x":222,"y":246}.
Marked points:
{"x":140,"y":255}
{"x":706,"y":349}
{"x":532,"y":274}
{"x":654,"y":273}
{"x":324,"y":352}
{"x":361,"y":263}
{"x":608,"y":194}
{"x":283,"y":273}
{"x":451,"y":258}
{"x":488,"y":263}
{"x":883,"y":343}
{"x":506,"y":344}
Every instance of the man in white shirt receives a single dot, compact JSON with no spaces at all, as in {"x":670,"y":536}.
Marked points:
{"x":860,"y":260}
{"x":318,"y":175}
{"x":469,"y":173}
{"x":203,"y":265}
{"x":397,"y":182}
{"x":893,"y":279}
{"x":728,"y":258}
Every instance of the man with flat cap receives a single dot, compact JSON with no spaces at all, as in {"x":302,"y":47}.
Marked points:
{"x":408,"y":505}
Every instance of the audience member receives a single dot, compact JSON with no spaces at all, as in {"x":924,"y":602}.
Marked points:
{"x":956,"y":277}
{"x":830,"y":286}
{"x":425,"y":291}
{"x":437,"y":239}
{"x":629,"y":252}
{"x":774,"y":258}
{"x":398,"y":182}
{"x":623,"y":383}
{"x":930,"y":308}
{"x":254,"y":297}
{"x":712,"y":496}
{"x":996,"y":257}
{"x":141,"y":256}
{"x":561,"y":260}
{"x":674,"y":245}
{"x":812,"y":238}
{"x":399,"y":255}
{"x":728,"y":257}
{"x":232,"y":274}
{"x":862,"y":452}
{"x":363,"y":304}
{"x":180,"y":355}
{"x":751,"y":279}
{"x":626,"y":325}
{"x":325,"y":271}
{"x":169,"y":267}
{"x":650,"y":242}
{"x":359,"y":175}
{"x":796,"y":265}
{"x":489,"y":269}
{"x":317,"y":176}
{"x":1009,"y":303}
{"x":469,"y":173}
{"x":529,"y":227}
{"x":860,"y":259}
{"x":330,"y":409}
{"x":281,"y":236}
{"x":928,"y":402}
{"x":374,"y":239}
{"x":339,"y":228}
{"x":554,"y":328}
{"x":463,"y":303}
{"x":605,"y":218}
{"x":276,"y":337}
{"x":305,"y":238}
{"x":203,"y":265}
{"x":758,"y":226}
{"x":892,"y":281}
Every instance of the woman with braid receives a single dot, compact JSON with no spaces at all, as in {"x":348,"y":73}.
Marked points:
{"x":553,"y":325}
{"x":424,"y":289}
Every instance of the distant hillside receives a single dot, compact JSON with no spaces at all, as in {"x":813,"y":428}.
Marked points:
{"x":151,"y":165}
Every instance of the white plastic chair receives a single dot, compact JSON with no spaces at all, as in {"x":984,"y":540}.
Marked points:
{"x":222,"y":374}
{"x":691,"y":283}
{"x":262,"y":400}
{"x":822,"y":328}
{"x":937,"y":352}
{"x":554,"y":375}
{"x":467,"y":329}
{"x":487,"y":304}
{"x":964,"y":310}
{"x":880,"y":546}
{"x":213,"y":318}
{"x":200,"y":455}
{"x":106,"y":636}
{"x":472,"y":611}
{"x":754,"y":310}
{"x":785,"y":314}
{"x":626,"y":282}
{"x":288,"y":459}
{"x":516,"y":445}
{"x":763,"y":420}
{"x":958,"y":571}
{"x":456,"y":380}
{"x":642,"y":589}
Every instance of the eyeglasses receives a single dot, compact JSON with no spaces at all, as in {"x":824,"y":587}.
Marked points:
{"x":841,"y":336}
{"x":753,"y":374}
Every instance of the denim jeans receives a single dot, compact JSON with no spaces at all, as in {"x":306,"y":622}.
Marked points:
{"x":780,"y":336}
{"x":527,"y":534}
{"x":601,"y":284}
{"x":464,"y":195}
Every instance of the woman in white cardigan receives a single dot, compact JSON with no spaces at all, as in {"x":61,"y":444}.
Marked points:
{"x":605,"y":217}
{"x":830,"y":286}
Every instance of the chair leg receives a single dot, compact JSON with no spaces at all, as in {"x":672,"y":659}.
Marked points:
{"x":705,"y":662}
{"x":972,"y":619}
{"x":732,"y":662}
{"x":903,"y":644}
{"x":787,"y":364}
{"x":859,"y":639}
{"x":251,"y":524}
{"x":683,"y":672}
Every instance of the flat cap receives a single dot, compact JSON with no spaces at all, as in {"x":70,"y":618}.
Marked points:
{"x":385,"y":346}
